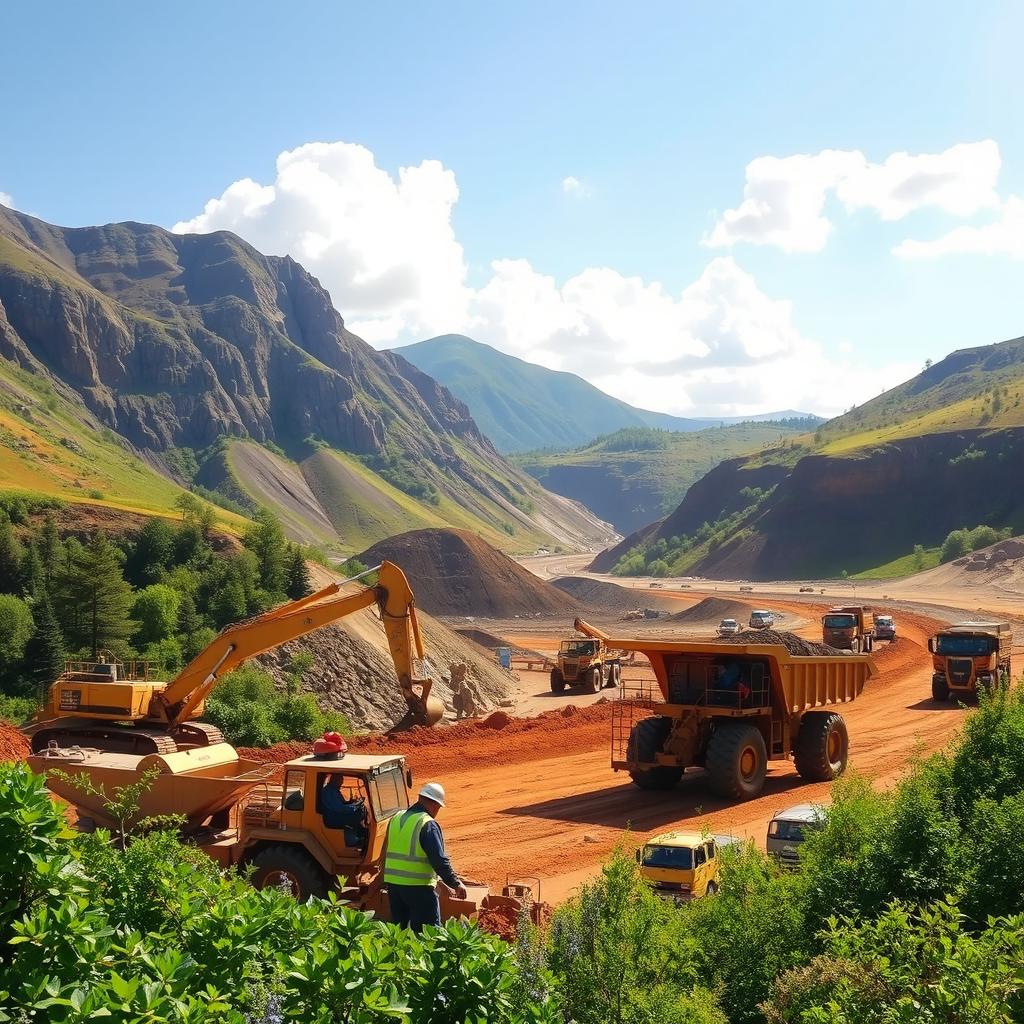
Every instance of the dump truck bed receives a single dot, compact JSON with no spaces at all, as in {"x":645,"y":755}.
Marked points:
{"x":806,"y":681}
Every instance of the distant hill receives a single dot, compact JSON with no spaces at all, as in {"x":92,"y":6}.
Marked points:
{"x":524,"y":407}
{"x":638,"y":474}
{"x":127,"y":352}
{"x":942,"y":451}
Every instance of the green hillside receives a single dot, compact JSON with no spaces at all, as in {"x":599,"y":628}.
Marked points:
{"x":524,"y":407}
{"x":941,"y":452}
{"x":638,"y":474}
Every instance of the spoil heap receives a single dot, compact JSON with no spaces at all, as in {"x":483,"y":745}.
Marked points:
{"x":454,"y":572}
{"x":712,"y":610}
{"x":586,"y":593}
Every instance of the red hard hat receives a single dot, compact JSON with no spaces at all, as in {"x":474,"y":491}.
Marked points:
{"x":330,"y":745}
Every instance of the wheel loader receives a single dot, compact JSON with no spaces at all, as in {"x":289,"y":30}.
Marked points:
{"x":103,"y":731}
{"x":730,"y":709}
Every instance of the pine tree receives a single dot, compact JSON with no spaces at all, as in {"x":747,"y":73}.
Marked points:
{"x":33,"y":578}
{"x":298,"y":583}
{"x":11,"y":555}
{"x":49,"y":549}
{"x":265,"y":539}
{"x":45,"y":652}
{"x":98,"y":597}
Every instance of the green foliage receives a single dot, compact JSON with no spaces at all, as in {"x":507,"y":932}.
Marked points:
{"x":297,"y":579}
{"x":156,"y":610}
{"x":633,"y":439}
{"x":16,"y":628}
{"x":920,"y":966}
{"x":251,"y":712}
{"x":961,"y":542}
{"x":11,"y":555}
{"x":45,"y":652}
{"x":620,"y":955}
{"x":17,"y":710}
{"x":265,"y":538}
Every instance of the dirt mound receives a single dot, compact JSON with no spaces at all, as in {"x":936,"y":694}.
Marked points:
{"x":13,"y":746}
{"x":608,"y":597}
{"x":794,"y":644}
{"x":1000,"y":565}
{"x":454,"y":572}
{"x":712,"y":610}
{"x":443,"y":749}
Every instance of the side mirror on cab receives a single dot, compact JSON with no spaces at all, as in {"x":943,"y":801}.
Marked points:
{"x":931,"y":645}
{"x":639,"y":856}
{"x":408,"y":777}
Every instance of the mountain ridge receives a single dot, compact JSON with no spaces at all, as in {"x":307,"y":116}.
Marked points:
{"x":524,"y":407}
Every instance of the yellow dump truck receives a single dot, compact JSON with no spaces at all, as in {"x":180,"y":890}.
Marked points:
{"x":969,"y":655}
{"x":730,"y":708}
{"x":586,"y":662}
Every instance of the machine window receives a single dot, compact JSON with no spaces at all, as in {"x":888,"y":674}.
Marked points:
{"x":388,"y":793}
{"x":295,"y":791}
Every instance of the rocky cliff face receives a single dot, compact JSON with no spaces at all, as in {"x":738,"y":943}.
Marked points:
{"x":177,"y":340}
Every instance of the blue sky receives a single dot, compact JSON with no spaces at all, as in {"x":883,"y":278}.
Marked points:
{"x":124,"y":111}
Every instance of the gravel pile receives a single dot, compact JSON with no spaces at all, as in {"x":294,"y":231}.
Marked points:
{"x":794,"y":644}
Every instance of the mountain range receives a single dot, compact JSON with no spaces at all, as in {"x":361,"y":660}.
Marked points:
{"x":523,"y":407}
{"x":942,"y":451}
{"x":196,"y":359}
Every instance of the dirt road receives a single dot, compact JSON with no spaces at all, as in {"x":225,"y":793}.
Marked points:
{"x":554,"y":809}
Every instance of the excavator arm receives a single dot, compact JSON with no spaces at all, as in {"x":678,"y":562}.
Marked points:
{"x":178,"y":701}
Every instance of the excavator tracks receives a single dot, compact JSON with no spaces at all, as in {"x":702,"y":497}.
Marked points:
{"x":115,"y":738}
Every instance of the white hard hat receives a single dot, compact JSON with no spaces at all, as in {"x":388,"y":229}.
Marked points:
{"x":433,"y":791}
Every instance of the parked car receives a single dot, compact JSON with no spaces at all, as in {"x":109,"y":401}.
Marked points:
{"x":807,"y":590}
{"x":682,"y":866}
{"x":788,"y":829}
{"x":761,"y":619}
{"x":885,"y":627}
{"x":728,"y":627}
{"x":746,"y":588}
{"x":653,"y":585}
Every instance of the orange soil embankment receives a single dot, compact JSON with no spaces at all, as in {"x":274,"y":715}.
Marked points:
{"x":13,"y":746}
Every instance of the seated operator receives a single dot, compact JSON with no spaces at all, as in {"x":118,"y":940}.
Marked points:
{"x":338,"y":811}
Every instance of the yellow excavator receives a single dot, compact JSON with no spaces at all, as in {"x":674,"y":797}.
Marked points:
{"x":102,"y":732}
{"x":116,"y":706}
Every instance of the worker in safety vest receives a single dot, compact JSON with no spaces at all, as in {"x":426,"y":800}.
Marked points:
{"x":414,"y":860}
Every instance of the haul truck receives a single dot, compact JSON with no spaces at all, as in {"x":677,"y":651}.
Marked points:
{"x":588,"y":662}
{"x":108,"y":731}
{"x":730,"y":708}
{"x":968,"y":655}
{"x":849,"y":628}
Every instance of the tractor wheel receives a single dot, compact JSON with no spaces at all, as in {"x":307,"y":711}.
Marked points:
{"x":592,"y":683}
{"x":711,"y":889}
{"x":291,"y":868}
{"x":557,"y":681}
{"x":940,"y":688}
{"x":646,"y":739}
{"x":822,"y":746}
{"x":737,"y":760}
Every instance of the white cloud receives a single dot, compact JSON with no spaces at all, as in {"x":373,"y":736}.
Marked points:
{"x":784,"y":197}
{"x":6,"y":200}
{"x":384,"y":248}
{"x":1002,"y":237}
{"x":575,"y":187}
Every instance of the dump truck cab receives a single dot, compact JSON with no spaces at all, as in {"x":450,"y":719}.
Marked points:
{"x":761,"y":618}
{"x":970,"y":655}
{"x":730,"y":708}
{"x":586,"y":662}
{"x":849,"y":628}
{"x":789,"y":828}
{"x":681,"y":866}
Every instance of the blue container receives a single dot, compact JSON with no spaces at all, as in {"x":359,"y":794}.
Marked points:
{"x":505,"y":657}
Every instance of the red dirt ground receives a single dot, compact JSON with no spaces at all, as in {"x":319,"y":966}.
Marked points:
{"x":13,"y":746}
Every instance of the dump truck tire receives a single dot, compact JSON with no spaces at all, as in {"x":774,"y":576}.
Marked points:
{"x":855,"y":646}
{"x":645,"y":741}
{"x":822,"y":746}
{"x":616,"y":674}
{"x":593,"y":681}
{"x":284,"y":863}
{"x":736,"y":761}
{"x":940,"y":688}
{"x":557,"y":682}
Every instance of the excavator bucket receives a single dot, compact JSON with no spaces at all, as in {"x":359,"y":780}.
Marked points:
{"x":430,"y":712}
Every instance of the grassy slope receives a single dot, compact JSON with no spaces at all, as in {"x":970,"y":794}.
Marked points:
{"x":520,"y":406}
{"x":979,"y":388}
{"x":47,"y":447}
{"x":670,"y":470}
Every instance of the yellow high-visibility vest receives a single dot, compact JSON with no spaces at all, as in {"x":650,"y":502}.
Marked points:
{"x":405,"y":863}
